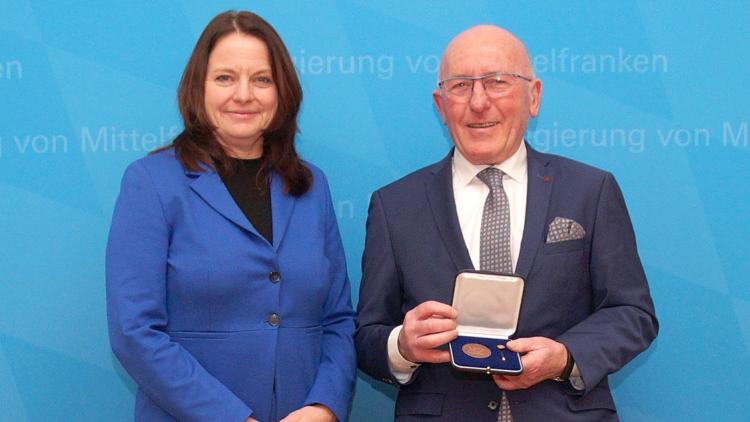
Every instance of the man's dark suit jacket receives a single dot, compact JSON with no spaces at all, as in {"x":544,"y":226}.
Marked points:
{"x":590,"y":294}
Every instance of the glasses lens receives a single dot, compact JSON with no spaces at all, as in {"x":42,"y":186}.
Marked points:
{"x":497,"y":84}
{"x":458,"y":87}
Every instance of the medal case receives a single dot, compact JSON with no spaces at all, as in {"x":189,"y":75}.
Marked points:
{"x":488,"y":305}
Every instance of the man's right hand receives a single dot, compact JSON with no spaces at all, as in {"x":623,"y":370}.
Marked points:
{"x":429,"y":325}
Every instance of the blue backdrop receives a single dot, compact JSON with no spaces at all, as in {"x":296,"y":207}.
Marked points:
{"x":655,"y":93}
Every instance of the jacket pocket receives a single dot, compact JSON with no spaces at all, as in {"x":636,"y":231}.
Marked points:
{"x":217,"y":335}
{"x":598,"y":398}
{"x":419,"y":404}
{"x":562,"y":247}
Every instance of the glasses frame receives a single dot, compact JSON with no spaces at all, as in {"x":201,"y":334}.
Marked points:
{"x":473,"y":79}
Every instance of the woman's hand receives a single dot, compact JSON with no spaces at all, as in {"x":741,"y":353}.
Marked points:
{"x":315,"y":412}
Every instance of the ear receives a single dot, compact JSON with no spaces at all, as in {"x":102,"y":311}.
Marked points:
{"x":535,"y":93}
{"x":438,"y":100}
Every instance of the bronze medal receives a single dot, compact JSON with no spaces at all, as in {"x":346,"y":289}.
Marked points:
{"x":476,"y":350}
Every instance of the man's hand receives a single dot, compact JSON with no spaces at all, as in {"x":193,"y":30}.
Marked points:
{"x":314,"y":413}
{"x":429,"y":325}
{"x":542,"y":359}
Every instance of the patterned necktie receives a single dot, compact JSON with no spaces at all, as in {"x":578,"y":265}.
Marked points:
{"x":494,"y":237}
{"x":494,"y":243}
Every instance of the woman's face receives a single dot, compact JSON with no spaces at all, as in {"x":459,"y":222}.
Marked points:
{"x":240,"y":94}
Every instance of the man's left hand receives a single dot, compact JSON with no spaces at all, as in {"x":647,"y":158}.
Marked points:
{"x":542,"y":359}
{"x":315,"y":412}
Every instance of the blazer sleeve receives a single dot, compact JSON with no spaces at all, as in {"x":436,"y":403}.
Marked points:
{"x":380,"y":295}
{"x":136,"y":262}
{"x":334,"y":382}
{"x":623,"y":321}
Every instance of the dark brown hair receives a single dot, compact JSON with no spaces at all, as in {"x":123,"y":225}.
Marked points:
{"x":197,"y":143}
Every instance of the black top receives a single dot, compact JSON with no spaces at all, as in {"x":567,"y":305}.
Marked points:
{"x":254,"y":202}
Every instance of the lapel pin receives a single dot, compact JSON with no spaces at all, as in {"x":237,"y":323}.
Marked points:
{"x":501,"y":347}
{"x":547,"y":179}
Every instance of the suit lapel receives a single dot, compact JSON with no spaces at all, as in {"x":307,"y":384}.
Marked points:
{"x":443,"y":206}
{"x":208,"y":185}
{"x":282,"y":207}
{"x":540,"y":180}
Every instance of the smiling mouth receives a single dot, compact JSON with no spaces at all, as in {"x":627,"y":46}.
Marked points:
{"x":242,"y":114}
{"x":481,"y":125}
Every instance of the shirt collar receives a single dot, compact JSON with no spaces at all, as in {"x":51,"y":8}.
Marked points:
{"x":515,"y":166}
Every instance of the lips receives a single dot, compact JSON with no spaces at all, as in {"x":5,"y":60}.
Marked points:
{"x":481,"y":125}
{"x":241,"y":114}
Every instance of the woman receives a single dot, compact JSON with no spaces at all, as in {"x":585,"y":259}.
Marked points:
{"x":227,"y":292}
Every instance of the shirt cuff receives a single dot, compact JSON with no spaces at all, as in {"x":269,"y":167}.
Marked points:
{"x":401,"y":368}
{"x":575,"y":379}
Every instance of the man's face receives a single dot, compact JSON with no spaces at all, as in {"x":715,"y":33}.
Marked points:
{"x":488,"y":130}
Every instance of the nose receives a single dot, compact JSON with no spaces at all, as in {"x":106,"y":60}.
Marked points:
{"x":479,"y":101}
{"x":243,"y":92}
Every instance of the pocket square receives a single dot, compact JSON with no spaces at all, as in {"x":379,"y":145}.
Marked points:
{"x":562,"y":229}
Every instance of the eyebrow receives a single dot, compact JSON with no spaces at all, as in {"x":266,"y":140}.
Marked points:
{"x":231,"y":70}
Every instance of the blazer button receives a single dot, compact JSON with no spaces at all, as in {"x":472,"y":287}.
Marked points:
{"x":492,"y":405}
{"x":274,"y":319}
{"x":274,"y":276}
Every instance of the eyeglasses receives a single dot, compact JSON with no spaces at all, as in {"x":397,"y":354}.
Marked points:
{"x":496,"y":84}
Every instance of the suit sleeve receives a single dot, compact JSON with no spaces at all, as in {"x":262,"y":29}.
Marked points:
{"x":136,"y":262}
{"x":623,"y":322}
{"x":380,"y":293}
{"x":334,"y":383}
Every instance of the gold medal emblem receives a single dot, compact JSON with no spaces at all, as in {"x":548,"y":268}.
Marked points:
{"x":476,"y":350}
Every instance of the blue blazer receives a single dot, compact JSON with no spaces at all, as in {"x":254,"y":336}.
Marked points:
{"x":212,"y":321}
{"x":590,"y":294}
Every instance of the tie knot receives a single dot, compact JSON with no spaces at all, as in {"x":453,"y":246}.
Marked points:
{"x":492,"y":177}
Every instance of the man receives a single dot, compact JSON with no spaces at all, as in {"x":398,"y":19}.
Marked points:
{"x":586,"y":308}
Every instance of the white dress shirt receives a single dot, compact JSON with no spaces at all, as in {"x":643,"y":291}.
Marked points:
{"x":470,"y":194}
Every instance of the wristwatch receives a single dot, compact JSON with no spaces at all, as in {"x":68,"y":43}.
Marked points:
{"x":568,"y":369}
